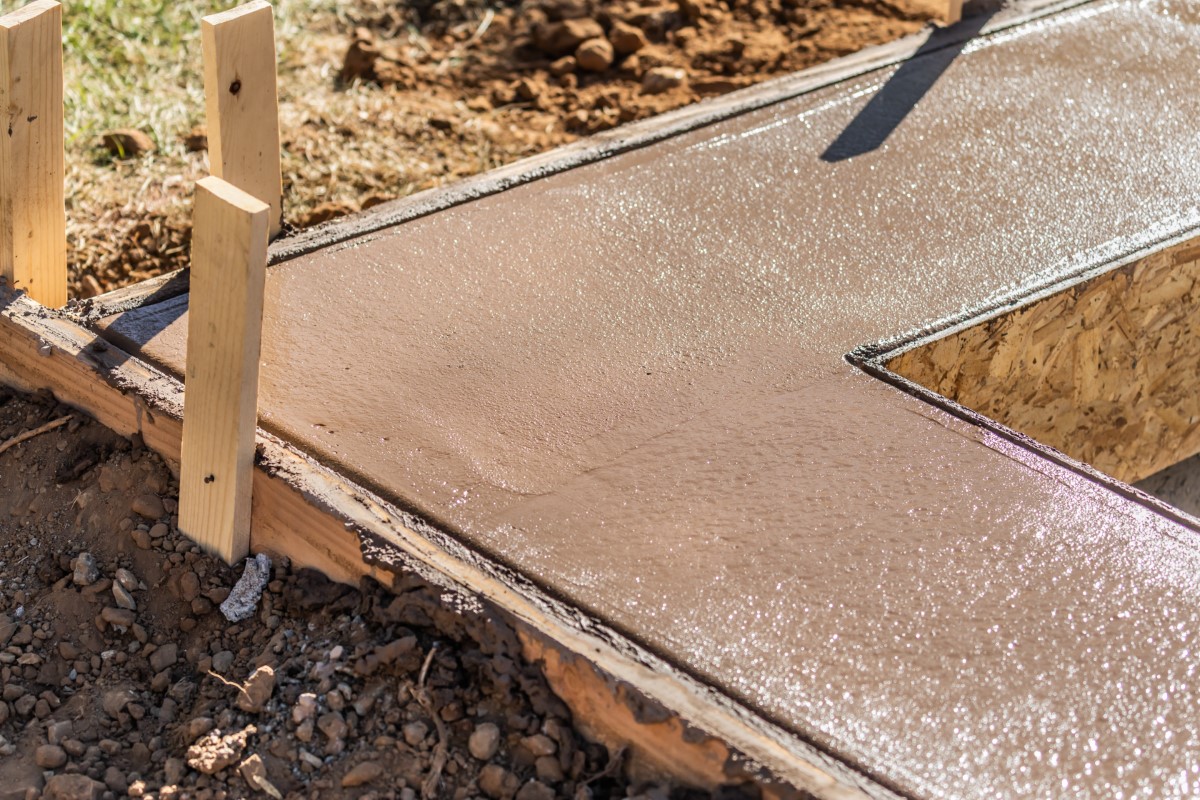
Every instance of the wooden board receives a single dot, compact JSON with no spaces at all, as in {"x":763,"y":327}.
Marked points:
{"x":1104,"y":371}
{"x":229,"y":270}
{"x":317,"y":518}
{"x":33,"y":222}
{"x":242,"y":104}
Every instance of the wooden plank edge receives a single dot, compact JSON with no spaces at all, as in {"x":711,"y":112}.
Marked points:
{"x":671,"y":723}
{"x":597,"y":147}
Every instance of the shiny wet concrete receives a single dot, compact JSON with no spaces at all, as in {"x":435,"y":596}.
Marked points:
{"x":628,"y":382}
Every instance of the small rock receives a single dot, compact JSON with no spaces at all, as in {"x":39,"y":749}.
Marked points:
{"x":333,"y":725}
{"x":254,"y":773}
{"x":72,"y":787}
{"x":159,"y":529}
{"x":222,"y":661}
{"x":563,"y":66}
{"x":127,"y":579}
{"x":539,"y":745}
{"x":85,"y":569}
{"x":214,"y":752}
{"x":127,"y":143}
{"x":662,"y":79}
{"x":257,"y":690}
{"x":484,"y":741}
{"x":389,"y":653}
{"x":548,"y":770}
{"x":415,"y":733}
{"x":123,"y":597}
{"x":50,"y":756}
{"x":115,"y":780}
{"x":141,"y":538}
{"x":626,"y":38}
{"x":174,"y":769}
{"x":361,"y":774}
{"x":595,"y":55}
{"x":164,"y":657}
{"x":560,"y":38}
{"x":114,"y":701}
{"x":197,"y":727}
{"x":189,"y":586}
{"x":497,"y":782}
{"x":148,"y":505}
{"x":305,"y":708}
{"x":118,"y":617}
{"x":535,"y":790}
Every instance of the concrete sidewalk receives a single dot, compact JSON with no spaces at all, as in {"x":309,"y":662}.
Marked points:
{"x":627,"y":382}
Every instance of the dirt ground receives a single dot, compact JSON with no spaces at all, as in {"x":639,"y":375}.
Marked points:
{"x":379,"y":99}
{"x":120,"y":675}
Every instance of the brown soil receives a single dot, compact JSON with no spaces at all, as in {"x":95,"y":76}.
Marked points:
{"x":406,"y":96}
{"x":358,"y":692}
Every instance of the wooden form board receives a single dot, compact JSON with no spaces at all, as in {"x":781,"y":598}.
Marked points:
{"x":242,"y":104}
{"x":229,"y":270}
{"x":33,"y":223}
{"x":668,"y":722}
{"x":1104,"y":370}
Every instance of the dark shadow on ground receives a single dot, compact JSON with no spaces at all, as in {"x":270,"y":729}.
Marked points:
{"x":915,"y":77}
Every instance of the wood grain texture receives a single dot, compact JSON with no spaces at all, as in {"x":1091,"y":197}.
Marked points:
{"x":33,"y":222}
{"x":220,"y":415}
{"x":1106,"y":371}
{"x":242,"y":104}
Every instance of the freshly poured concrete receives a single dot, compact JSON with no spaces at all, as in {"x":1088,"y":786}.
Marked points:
{"x":627,"y":382}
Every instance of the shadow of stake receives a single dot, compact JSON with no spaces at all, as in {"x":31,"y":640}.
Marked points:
{"x":916,"y":76}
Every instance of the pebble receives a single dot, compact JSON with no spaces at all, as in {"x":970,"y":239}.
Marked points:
{"x":123,"y":597}
{"x":214,"y":752}
{"x":72,"y":787}
{"x":539,"y":745}
{"x":595,"y":55}
{"x":189,"y":586}
{"x":85,"y":571}
{"x":164,"y":657}
{"x":115,"y":780}
{"x":159,"y":530}
{"x":549,"y":770}
{"x":626,"y":38}
{"x":333,"y":725}
{"x":662,"y":79}
{"x":149,"y":506}
{"x":415,"y":733}
{"x":257,"y":690}
{"x":127,"y":579}
{"x":174,"y":769}
{"x":50,"y":756}
{"x":484,"y":741}
{"x":535,"y":790}
{"x":119,"y":617}
{"x":361,"y":774}
{"x":560,"y":38}
{"x":222,"y":661}
{"x":497,"y":782}
{"x":141,"y":538}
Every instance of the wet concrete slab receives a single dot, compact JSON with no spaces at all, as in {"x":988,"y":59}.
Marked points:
{"x":628,"y":382}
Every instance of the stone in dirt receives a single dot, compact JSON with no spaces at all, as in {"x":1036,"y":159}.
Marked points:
{"x":497,"y":782}
{"x":662,"y":79}
{"x":148,"y":505}
{"x":214,"y":752}
{"x":484,"y":741}
{"x":49,"y":756}
{"x":85,"y":571}
{"x":361,"y":774}
{"x":254,"y":773}
{"x":535,"y":790}
{"x":560,"y":38}
{"x":123,"y":598}
{"x":243,"y":598}
{"x":165,"y":656}
{"x":72,"y":787}
{"x":257,"y":690}
{"x":127,"y":579}
{"x":595,"y":55}
{"x":114,"y":701}
{"x":118,"y":617}
{"x":626,"y":38}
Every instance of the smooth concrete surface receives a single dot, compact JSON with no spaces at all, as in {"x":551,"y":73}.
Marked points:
{"x":628,"y":382}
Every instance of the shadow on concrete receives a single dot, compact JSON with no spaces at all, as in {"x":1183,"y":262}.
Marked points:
{"x":908,"y":84}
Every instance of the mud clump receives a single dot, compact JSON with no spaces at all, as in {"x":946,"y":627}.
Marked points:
{"x":324,"y":689}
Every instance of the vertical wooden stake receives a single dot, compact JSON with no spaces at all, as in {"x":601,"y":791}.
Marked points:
{"x":241,"y":102}
{"x":220,"y":400}
{"x":33,"y":221}
{"x":954,"y":11}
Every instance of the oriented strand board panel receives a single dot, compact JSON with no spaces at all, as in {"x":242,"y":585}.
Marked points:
{"x":1107,"y":371}
{"x":33,"y":223}
{"x":628,"y":383}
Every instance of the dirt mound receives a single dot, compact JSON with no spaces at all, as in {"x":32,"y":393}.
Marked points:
{"x":119,"y":675}
{"x":592,"y":65}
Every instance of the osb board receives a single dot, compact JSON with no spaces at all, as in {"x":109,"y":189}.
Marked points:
{"x":1107,"y":371}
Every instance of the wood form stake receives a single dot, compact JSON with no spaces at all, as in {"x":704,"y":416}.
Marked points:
{"x":33,"y":222}
{"x":954,"y":12}
{"x":220,"y":401}
{"x":242,"y":104}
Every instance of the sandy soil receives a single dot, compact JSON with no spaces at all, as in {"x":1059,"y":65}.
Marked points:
{"x":120,"y":676}
{"x":386,"y":98}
